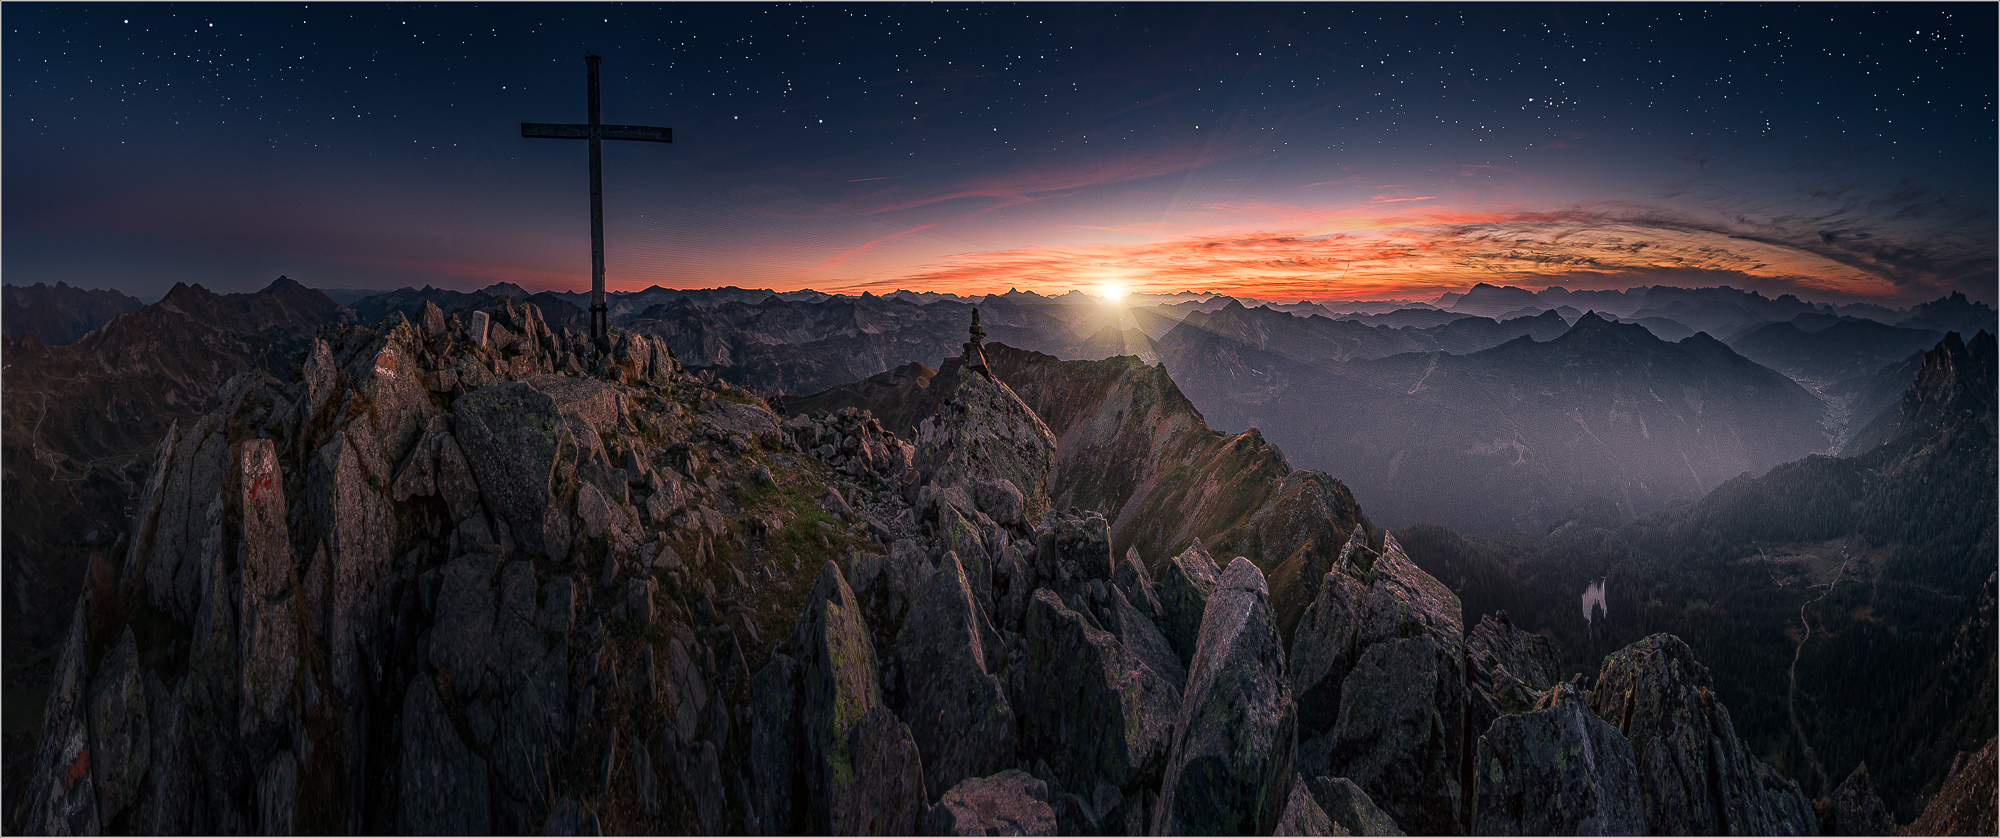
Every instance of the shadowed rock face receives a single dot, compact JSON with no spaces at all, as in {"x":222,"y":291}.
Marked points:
{"x":1231,"y":769}
{"x":1559,"y":770}
{"x":1378,"y":666}
{"x":1853,"y":809}
{"x":957,"y":709}
{"x":1698,"y":776}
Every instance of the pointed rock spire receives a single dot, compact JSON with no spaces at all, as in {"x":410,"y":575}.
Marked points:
{"x":975,"y":357}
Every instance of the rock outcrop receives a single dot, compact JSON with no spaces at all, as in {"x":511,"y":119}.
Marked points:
{"x":1232,"y":764}
{"x":853,"y":760}
{"x":1378,"y":669}
{"x":983,"y":433}
{"x":473,"y":575}
{"x":956,"y":705}
{"x":1008,"y":803}
{"x":1699,"y":778}
{"x":1558,"y":770}
{"x":1853,"y":808}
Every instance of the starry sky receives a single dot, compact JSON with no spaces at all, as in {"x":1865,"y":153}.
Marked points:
{"x":1282,"y":151}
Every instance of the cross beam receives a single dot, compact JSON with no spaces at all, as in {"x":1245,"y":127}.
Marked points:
{"x":596,"y":132}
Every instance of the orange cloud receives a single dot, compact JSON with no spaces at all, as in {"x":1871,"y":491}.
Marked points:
{"x":1410,"y":254}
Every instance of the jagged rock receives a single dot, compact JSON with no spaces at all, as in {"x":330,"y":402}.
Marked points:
{"x":1008,"y":803}
{"x":186,"y":528}
{"x":774,"y":725}
{"x":454,"y":481}
{"x":1139,"y":635}
{"x":120,"y":735}
{"x":443,"y":787}
{"x":646,"y":782}
{"x":886,"y":794}
{"x":1556,"y":771}
{"x":1088,"y":705}
{"x":1965,"y":804}
{"x":687,"y":694}
{"x":854,"y":761}
{"x":1507,"y":670}
{"x":1001,"y":500}
{"x":463,"y":638}
{"x":1698,"y":777}
{"x":1185,"y":586}
{"x":431,"y":319}
{"x":1071,"y":550}
{"x":750,"y":420}
{"x":1235,"y":739}
{"x":1855,"y":810}
{"x":601,"y":405}
{"x":1131,"y":577}
{"x":278,"y":795}
{"x":529,"y":732}
{"x":957,"y":709}
{"x":354,"y":517}
{"x":699,"y":772}
{"x":1378,"y":668}
{"x":508,"y":436}
{"x":269,"y":622}
{"x":960,"y":535}
{"x":1302,"y":814}
{"x":1349,"y":808}
{"x":982,"y":431}
{"x":600,"y":514}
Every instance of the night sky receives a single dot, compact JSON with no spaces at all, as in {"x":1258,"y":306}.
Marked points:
{"x":1842,"y":151}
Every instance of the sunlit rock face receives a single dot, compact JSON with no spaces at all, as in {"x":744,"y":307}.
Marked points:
{"x":983,"y":432}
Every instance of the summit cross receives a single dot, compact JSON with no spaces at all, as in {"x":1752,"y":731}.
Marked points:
{"x":596,"y":132}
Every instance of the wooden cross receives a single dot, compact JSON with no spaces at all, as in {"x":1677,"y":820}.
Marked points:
{"x":596,"y":132}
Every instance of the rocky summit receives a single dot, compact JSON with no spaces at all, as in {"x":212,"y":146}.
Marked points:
{"x":469,"y":574}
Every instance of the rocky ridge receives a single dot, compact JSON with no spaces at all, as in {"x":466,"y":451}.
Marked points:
{"x":469,"y":574}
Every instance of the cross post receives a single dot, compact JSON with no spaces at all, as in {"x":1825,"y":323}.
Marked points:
{"x":596,"y":132}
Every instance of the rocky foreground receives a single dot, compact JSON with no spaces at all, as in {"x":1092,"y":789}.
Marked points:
{"x":471,"y":575}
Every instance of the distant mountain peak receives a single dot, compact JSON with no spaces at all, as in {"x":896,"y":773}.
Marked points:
{"x":507,"y":289}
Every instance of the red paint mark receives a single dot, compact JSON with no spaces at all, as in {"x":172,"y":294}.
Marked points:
{"x":258,"y":487}
{"x":77,"y":769}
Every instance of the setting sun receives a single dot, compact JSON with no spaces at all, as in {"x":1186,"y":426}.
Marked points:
{"x":1111,"y":291}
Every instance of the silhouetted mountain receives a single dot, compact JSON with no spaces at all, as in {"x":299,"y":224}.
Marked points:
{"x":1489,"y":300}
{"x":1418,"y":318}
{"x":1953,"y":313}
{"x":60,"y":314}
{"x":1314,"y":339}
{"x":1664,"y":329}
{"x":82,"y":422}
{"x":1510,"y":437}
{"x":1819,"y":349}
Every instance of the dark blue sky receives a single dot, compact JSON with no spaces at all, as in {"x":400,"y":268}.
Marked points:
{"x":1295,"y":150}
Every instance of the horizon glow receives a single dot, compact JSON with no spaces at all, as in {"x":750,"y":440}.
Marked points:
{"x":1294,"y":151}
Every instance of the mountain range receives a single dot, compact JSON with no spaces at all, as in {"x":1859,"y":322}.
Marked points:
{"x":1509,"y":438}
{"x":522,"y":586}
{"x":60,"y":314}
